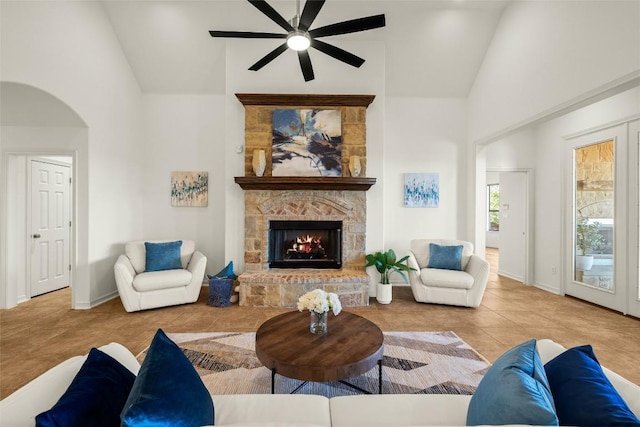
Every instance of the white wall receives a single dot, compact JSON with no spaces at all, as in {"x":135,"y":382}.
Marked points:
{"x":551,"y":176}
{"x":424,"y":135}
{"x":550,"y":54}
{"x":69,"y":50}
{"x":185,"y":133}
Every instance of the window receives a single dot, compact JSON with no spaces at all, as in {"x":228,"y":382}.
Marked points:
{"x":493,"y":202}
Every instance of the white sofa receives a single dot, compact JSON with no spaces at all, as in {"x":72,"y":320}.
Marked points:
{"x":438,"y":286}
{"x":386,"y":410}
{"x":140,"y":290}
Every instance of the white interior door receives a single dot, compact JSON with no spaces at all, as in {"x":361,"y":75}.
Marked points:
{"x":50,"y":215}
{"x":513,"y":225}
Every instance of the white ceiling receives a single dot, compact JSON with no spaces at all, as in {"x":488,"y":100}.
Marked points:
{"x":433,"y":48}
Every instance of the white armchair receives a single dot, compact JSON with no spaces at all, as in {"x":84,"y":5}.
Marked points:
{"x":432,"y":285}
{"x":140,"y":290}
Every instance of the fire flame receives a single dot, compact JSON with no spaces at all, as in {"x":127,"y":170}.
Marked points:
{"x":308,"y":243}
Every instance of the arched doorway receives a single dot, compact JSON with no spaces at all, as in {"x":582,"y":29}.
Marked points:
{"x":36,"y":123}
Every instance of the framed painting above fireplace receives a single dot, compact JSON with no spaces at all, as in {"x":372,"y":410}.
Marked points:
{"x":306,"y":142}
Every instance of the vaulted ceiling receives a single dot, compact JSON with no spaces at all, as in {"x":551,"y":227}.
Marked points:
{"x":433,"y":48}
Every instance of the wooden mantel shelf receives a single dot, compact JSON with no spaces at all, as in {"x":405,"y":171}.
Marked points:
{"x":305,"y":99}
{"x":304,"y":183}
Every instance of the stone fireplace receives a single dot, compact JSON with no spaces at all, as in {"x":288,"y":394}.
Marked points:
{"x":332,"y":209}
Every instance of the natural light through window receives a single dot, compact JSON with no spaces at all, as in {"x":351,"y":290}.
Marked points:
{"x":493,"y":202}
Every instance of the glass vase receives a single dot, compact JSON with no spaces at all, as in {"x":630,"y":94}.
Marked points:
{"x":318,"y":323}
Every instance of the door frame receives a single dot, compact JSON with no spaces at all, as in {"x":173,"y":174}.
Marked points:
{"x":617,"y":131}
{"x":15,"y":242}
{"x":29,"y":207}
{"x":529,"y":223}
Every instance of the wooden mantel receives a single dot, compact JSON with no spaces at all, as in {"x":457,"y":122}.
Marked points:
{"x":315,"y":100}
{"x":304,"y":183}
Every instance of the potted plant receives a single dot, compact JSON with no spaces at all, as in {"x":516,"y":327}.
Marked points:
{"x":385,"y":263}
{"x":588,"y":239}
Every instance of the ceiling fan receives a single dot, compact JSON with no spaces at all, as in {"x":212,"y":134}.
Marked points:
{"x":299,"y":37}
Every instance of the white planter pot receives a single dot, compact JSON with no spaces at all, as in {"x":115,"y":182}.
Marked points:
{"x":384,"y":293}
{"x":584,"y":262}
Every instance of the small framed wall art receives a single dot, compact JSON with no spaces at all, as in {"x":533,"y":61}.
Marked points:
{"x":190,"y":189}
{"x":421,"y":190}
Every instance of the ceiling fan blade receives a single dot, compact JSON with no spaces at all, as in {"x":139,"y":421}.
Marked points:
{"x":337,"y":53}
{"x":247,"y":35}
{"x":305,"y":65}
{"x":269,"y":57}
{"x":351,"y":26}
{"x":264,"y":7}
{"x":309,"y":13}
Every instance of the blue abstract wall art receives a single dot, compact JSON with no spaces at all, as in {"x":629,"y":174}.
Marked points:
{"x":189,"y":189}
{"x":421,"y":190}
{"x":306,"y":142}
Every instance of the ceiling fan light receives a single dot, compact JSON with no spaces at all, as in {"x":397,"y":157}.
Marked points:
{"x":298,"y":40}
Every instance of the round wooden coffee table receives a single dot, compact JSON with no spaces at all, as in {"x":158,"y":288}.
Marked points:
{"x":352,"y":346}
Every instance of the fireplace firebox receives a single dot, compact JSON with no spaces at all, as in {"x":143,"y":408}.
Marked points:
{"x":305,"y":244}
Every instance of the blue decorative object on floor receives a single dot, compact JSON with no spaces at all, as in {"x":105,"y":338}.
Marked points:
{"x":220,"y":292}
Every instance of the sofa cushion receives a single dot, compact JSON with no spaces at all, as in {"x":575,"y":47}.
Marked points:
{"x":445,"y":257}
{"x":420,"y":248}
{"x":514,"y":391}
{"x":162,"y":256}
{"x":136,"y":253}
{"x":168,"y":391}
{"x":226,"y":272}
{"x":95,"y":396}
{"x":156,"y":280}
{"x":446,"y":278}
{"x":582,"y":393}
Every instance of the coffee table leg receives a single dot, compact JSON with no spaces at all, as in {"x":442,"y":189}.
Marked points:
{"x":273,"y":381}
{"x":380,"y":376}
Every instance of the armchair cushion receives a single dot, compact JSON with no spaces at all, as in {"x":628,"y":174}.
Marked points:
{"x":445,"y":257}
{"x":446,"y":278}
{"x":166,"y":279}
{"x":162,"y":256}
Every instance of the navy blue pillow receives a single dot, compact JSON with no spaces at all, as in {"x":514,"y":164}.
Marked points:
{"x":168,"y":391}
{"x":445,"y":257}
{"x":162,"y":256}
{"x":582,"y":392}
{"x":95,"y":397}
{"x":514,"y":391}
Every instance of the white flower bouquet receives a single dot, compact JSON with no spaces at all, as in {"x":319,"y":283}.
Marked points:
{"x":320,"y":301}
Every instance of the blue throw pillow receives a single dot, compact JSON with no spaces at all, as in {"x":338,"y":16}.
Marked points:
{"x":168,"y":391}
{"x":226,"y":273}
{"x":514,"y":391}
{"x":163,"y":256}
{"x":95,"y":397}
{"x":445,"y":257}
{"x":583,"y":394}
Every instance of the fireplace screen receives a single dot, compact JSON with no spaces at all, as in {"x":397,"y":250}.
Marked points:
{"x":305,"y":244}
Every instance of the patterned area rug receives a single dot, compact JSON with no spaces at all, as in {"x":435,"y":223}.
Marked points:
{"x":414,"y":362}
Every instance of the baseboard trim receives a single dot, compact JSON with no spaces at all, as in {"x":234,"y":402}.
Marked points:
{"x":547,"y":288}
{"x":83,"y":305}
{"x":511,"y":276}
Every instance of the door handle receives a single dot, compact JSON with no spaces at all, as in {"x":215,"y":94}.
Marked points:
{"x":36,"y":236}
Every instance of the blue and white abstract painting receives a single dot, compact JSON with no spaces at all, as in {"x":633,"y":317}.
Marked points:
{"x":421,"y":190}
{"x":306,"y":143}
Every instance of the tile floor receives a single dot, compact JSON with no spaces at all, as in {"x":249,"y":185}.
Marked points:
{"x":44,"y":331}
